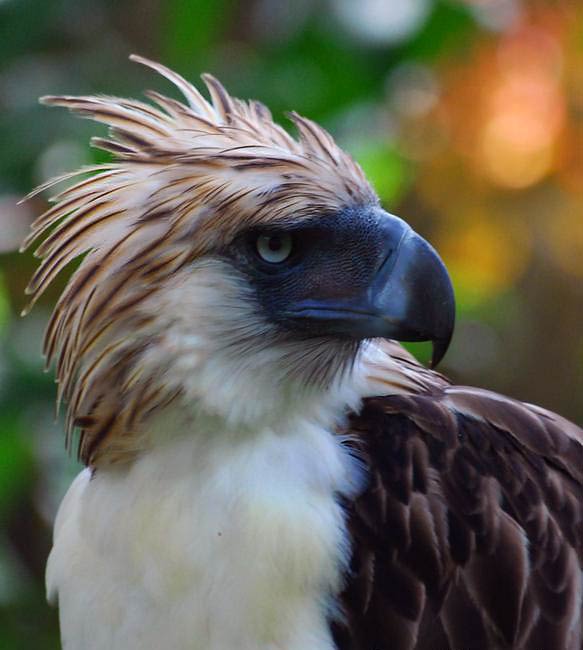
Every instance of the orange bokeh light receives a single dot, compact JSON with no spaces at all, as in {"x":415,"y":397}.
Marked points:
{"x":526,"y":110}
{"x":485,"y":256}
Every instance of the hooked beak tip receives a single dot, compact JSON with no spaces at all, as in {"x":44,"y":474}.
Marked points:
{"x":440,"y":347}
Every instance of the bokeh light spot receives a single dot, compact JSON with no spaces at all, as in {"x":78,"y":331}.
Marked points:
{"x":510,"y":153}
{"x":484,"y":256}
{"x":381,"y":22}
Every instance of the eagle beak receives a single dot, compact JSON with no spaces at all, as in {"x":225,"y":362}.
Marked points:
{"x":409,"y":296}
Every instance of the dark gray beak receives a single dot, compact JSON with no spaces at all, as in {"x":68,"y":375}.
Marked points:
{"x":412,"y":298}
{"x":409,"y":297}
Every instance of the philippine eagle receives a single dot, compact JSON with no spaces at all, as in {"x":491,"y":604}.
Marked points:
{"x":267,"y":469}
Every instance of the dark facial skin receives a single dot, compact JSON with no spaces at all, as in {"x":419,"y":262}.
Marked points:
{"x":358,"y":274}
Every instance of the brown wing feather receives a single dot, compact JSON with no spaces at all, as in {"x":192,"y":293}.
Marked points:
{"x":470,"y":532}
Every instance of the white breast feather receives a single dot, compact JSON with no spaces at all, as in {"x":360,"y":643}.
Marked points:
{"x":209,"y":542}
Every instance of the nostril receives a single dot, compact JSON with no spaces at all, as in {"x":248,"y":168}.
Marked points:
{"x":386,"y":258}
{"x":389,"y":255}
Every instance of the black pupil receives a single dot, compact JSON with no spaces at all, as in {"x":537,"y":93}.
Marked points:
{"x":275,"y":244}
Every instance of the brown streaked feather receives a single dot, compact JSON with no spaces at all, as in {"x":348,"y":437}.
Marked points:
{"x":185,"y":178}
{"x":195,"y":100}
{"x":470,"y":531}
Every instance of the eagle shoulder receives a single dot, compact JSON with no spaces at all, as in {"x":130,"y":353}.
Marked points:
{"x":470,"y":531}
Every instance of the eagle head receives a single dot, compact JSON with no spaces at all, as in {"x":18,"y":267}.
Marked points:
{"x":220,"y":257}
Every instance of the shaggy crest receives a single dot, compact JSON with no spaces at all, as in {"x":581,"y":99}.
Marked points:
{"x":185,"y":179}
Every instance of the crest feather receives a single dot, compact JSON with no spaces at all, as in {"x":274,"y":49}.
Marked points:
{"x":185,"y":178}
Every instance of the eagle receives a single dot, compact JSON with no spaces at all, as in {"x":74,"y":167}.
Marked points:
{"x":267,"y":468}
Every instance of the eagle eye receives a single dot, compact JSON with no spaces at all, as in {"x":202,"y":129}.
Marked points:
{"x":274,"y":248}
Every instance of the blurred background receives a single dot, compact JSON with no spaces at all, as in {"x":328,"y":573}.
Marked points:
{"x":466,"y":115}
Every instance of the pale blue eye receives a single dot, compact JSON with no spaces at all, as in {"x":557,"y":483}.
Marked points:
{"x":274,"y":248}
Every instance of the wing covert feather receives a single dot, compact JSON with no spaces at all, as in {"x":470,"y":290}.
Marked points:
{"x":470,"y":531}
